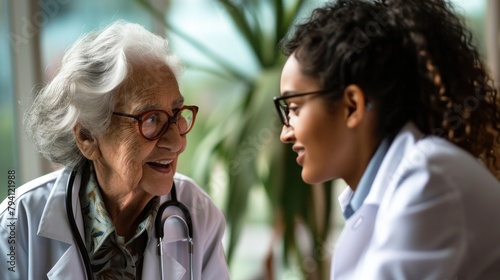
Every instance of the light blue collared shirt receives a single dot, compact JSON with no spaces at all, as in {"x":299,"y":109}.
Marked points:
{"x":365,"y":184}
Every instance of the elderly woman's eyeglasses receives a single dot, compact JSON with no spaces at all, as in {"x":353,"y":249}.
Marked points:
{"x":283,"y":108}
{"x":153,"y":123}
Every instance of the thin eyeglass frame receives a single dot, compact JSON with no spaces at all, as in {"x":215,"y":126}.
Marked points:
{"x":283,"y":112}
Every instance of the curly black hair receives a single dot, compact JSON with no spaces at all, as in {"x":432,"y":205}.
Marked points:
{"x":414,"y":59}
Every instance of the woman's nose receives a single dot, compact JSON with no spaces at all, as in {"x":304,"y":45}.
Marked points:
{"x":172,"y":139}
{"x":287,"y":135}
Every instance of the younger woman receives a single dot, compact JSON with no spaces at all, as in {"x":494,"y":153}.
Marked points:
{"x":392,"y":97}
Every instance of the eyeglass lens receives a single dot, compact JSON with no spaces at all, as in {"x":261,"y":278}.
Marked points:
{"x":283,"y":111}
{"x":154,"y":122}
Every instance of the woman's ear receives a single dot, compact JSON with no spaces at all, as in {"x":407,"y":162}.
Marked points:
{"x":86,"y":142}
{"x":356,"y":105}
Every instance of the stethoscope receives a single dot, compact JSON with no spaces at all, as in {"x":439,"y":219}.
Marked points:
{"x":174,"y":221}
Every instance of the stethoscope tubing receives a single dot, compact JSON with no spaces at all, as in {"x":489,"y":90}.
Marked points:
{"x":158,"y":226}
{"x":188,"y":223}
{"x":74,"y":228}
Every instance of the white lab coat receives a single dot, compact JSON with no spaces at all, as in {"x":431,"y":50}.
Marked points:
{"x":45,"y":248}
{"x":433,"y":212}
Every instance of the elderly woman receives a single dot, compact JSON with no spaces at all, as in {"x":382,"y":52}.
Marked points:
{"x":115,"y":118}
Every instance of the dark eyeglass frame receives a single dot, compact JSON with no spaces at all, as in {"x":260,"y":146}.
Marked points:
{"x":171,"y":119}
{"x":284,"y":111}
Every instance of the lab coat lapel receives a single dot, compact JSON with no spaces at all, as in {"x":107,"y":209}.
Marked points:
{"x":54,"y":221}
{"x":359,"y":228}
{"x":69,"y":265}
{"x":54,"y":225}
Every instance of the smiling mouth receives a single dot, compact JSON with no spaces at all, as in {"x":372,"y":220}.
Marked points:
{"x":161,"y":162}
{"x":158,"y":164}
{"x":300,"y":156}
{"x":163,"y":166}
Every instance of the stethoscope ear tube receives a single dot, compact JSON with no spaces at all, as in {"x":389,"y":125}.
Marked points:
{"x":160,"y":232}
{"x":174,"y":221}
{"x":74,"y":228}
{"x":173,"y":202}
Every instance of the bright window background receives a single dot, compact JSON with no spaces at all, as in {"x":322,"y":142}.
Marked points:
{"x":201,"y":19}
{"x":67,"y":22}
{"x":8,"y":123}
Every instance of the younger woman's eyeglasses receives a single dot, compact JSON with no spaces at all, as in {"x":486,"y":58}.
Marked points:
{"x":153,"y":123}
{"x":283,"y":108}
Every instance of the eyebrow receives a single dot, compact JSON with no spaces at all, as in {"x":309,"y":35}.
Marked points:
{"x":176,"y":104}
{"x":289,"y":92}
{"x":292,"y":92}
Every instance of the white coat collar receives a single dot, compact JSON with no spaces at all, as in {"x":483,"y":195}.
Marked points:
{"x":388,"y":171}
{"x":344,"y":198}
{"x":54,"y":225}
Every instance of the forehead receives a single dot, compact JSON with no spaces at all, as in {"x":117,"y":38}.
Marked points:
{"x":293,"y":79}
{"x":150,"y":84}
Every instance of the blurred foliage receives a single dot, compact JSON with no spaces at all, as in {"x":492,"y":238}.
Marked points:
{"x":243,"y":140}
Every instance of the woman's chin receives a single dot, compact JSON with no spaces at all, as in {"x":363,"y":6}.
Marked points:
{"x":314,"y":179}
{"x":159,"y":186}
{"x":161,"y":190}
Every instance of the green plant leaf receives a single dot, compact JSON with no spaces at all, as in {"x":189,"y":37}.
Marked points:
{"x":239,"y":19}
{"x":202,"y":48}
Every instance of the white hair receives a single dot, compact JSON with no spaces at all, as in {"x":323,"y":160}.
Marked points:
{"x":93,"y":69}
